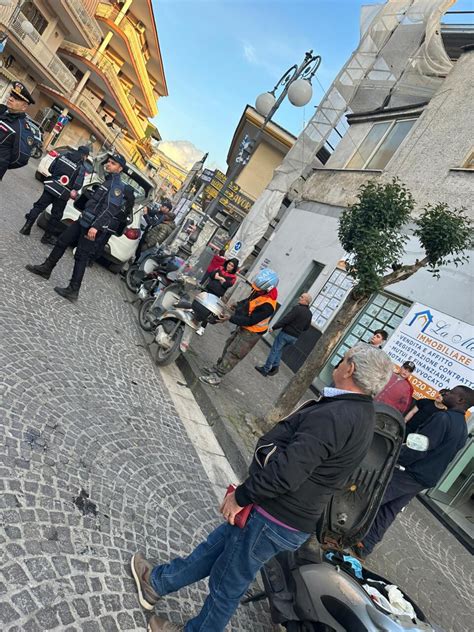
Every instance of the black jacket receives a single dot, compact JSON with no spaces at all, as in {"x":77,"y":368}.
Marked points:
{"x":242,"y":317}
{"x":217,"y":287}
{"x":447,"y":432}
{"x":16,"y":140}
{"x":310,"y":455}
{"x":296,"y":321}
{"x":104,"y":210}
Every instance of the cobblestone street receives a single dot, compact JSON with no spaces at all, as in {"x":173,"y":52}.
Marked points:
{"x":95,"y":460}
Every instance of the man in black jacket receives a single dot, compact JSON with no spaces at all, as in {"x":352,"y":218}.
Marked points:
{"x":292,"y":325}
{"x":16,"y":135}
{"x":296,"y":469}
{"x":102,"y":216}
{"x":447,"y":434}
{"x":67,"y":176}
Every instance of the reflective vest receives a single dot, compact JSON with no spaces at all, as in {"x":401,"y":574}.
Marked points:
{"x":262,"y":326}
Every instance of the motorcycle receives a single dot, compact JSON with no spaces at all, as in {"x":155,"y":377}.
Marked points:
{"x":180,"y":321}
{"x":161,"y":261}
{"x":316,"y":589}
{"x":164,"y":297}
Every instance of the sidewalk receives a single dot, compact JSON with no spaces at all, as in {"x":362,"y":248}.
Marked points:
{"x":418,"y":553}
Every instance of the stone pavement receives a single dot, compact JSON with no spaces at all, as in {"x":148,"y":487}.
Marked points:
{"x":418,"y":553}
{"x":95,"y":461}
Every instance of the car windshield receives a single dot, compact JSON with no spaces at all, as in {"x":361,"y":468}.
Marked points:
{"x":139,"y":190}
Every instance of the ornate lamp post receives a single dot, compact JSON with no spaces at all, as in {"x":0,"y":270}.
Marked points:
{"x":296,"y":83}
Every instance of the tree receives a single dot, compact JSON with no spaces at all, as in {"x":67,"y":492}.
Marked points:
{"x":373,"y":232}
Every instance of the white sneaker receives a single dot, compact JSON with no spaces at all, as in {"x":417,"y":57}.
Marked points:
{"x":200,"y":331}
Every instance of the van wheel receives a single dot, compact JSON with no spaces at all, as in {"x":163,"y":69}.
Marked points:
{"x":115,"y":268}
{"x":39,"y":176}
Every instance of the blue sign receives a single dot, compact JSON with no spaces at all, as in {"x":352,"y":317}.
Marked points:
{"x":63,"y":120}
{"x":237,"y":246}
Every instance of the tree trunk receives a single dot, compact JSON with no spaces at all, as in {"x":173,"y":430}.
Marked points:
{"x":315,"y":361}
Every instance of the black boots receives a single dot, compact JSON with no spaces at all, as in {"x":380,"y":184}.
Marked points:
{"x":26,"y":228}
{"x":67,"y":292}
{"x":43,"y":270}
{"x":48,"y":238}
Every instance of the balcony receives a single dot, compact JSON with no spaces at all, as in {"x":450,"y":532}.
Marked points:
{"x":41,"y":61}
{"x":104,"y":130}
{"x":100,"y":64}
{"x":81,"y":26}
{"x":126,"y":29}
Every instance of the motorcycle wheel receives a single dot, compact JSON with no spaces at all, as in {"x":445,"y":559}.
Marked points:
{"x":145,"y":315}
{"x":133,"y":278}
{"x":168,"y":356}
{"x":36,"y":152}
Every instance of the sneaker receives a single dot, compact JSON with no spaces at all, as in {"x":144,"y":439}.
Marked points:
{"x":261,"y":369}
{"x":200,"y":331}
{"x":158,"y":624}
{"x":207,"y":370}
{"x":274,"y":370}
{"x":213,"y":379}
{"x":141,"y":570}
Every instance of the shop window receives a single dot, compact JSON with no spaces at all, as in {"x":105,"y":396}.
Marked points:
{"x":380,"y":144}
{"x":33,"y":15}
{"x":382,"y":312}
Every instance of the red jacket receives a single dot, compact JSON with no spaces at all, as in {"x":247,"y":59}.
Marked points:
{"x":398,"y":393}
{"x":216,"y":262}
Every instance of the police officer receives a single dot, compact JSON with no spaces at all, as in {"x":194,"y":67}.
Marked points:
{"x":16,"y":135}
{"x":67,"y":173}
{"x":102,"y":216}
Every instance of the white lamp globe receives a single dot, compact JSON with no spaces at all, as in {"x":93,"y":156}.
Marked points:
{"x":27,"y":27}
{"x":300,"y":92}
{"x":264,"y":103}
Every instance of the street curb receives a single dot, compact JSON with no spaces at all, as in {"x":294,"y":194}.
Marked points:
{"x":230,"y":442}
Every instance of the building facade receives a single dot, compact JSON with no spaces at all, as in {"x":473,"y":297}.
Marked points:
{"x":427,"y":143}
{"x":97,"y":63}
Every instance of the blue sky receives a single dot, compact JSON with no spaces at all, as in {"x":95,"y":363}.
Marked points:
{"x":220,"y":55}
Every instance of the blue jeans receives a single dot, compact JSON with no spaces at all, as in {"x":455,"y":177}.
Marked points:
{"x":231,"y":558}
{"x":274,"y":357}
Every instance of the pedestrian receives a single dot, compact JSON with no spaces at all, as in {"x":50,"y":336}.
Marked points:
{"x":398,"y":393}
{"x":153,"y":215}
{"x":423,"y":410}
{"x":67,"y":177}
{"x":447,"y":434}
{"x":292,"y":325}
{"x":223,"y":278}
{"x":159,"y":232}
{"x":378,"y":338}
{"x":103,"y":215}
{"x":252,"y":317}
{"x":16,"y":136}
{"x":297,"y":466}
{"x":216,"y":262}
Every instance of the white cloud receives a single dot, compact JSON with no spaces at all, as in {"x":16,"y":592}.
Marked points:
{"x":181,"y":151}
{"x":249,"y":53}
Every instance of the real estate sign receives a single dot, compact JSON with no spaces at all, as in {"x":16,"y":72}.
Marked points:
{"x":441,"y":347}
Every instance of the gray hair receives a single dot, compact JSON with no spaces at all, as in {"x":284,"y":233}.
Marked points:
{"x":373,"y":368}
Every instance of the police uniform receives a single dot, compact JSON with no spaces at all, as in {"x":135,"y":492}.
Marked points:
{"x":104,"y":212}
{"x":67,"y":174}
{"x":16,"y":135}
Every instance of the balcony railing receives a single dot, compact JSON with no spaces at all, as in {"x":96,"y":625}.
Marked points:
{"x":55,"y":70}
{"x":110,"y":135}
{"x":128,"y":28}
{"x":110,"y":72}
{"x":87,"y":22}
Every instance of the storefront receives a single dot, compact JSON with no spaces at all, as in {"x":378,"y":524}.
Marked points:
{"x":442,"y":349}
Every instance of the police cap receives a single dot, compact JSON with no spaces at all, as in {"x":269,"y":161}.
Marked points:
{"x":19,"y":91}
{"x":84,"y":149}
{"x":118,"y":158}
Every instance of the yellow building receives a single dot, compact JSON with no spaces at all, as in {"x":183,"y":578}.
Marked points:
{"x":105,"y":70}
{"x":168,"y":174}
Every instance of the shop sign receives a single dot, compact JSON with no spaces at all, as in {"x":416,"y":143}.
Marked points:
{"x":441,"y":347}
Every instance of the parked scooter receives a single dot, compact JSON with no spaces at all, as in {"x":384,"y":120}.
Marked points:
{"x":314,"y":589}
{"x":161,"y":261}
{"x":180,"y":321}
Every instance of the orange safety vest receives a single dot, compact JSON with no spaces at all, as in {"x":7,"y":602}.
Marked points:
{"x":262,"y":326}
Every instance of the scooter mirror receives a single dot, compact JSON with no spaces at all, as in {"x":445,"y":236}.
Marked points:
{"x":417,"y":442}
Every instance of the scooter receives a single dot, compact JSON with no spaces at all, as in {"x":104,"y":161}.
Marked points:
{"x":161,"y":260}
{"x":180,"y":321}
{"x":314,"y":589}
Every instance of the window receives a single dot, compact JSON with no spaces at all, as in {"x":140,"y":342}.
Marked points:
{"x":34,"y":16}
{"x":329,"y":299}
{"x":380,"y":144}
{"x":383,"y":312}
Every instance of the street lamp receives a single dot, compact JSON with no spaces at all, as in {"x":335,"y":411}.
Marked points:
{"x":25,"y":24}
{"x":296,"y":83}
